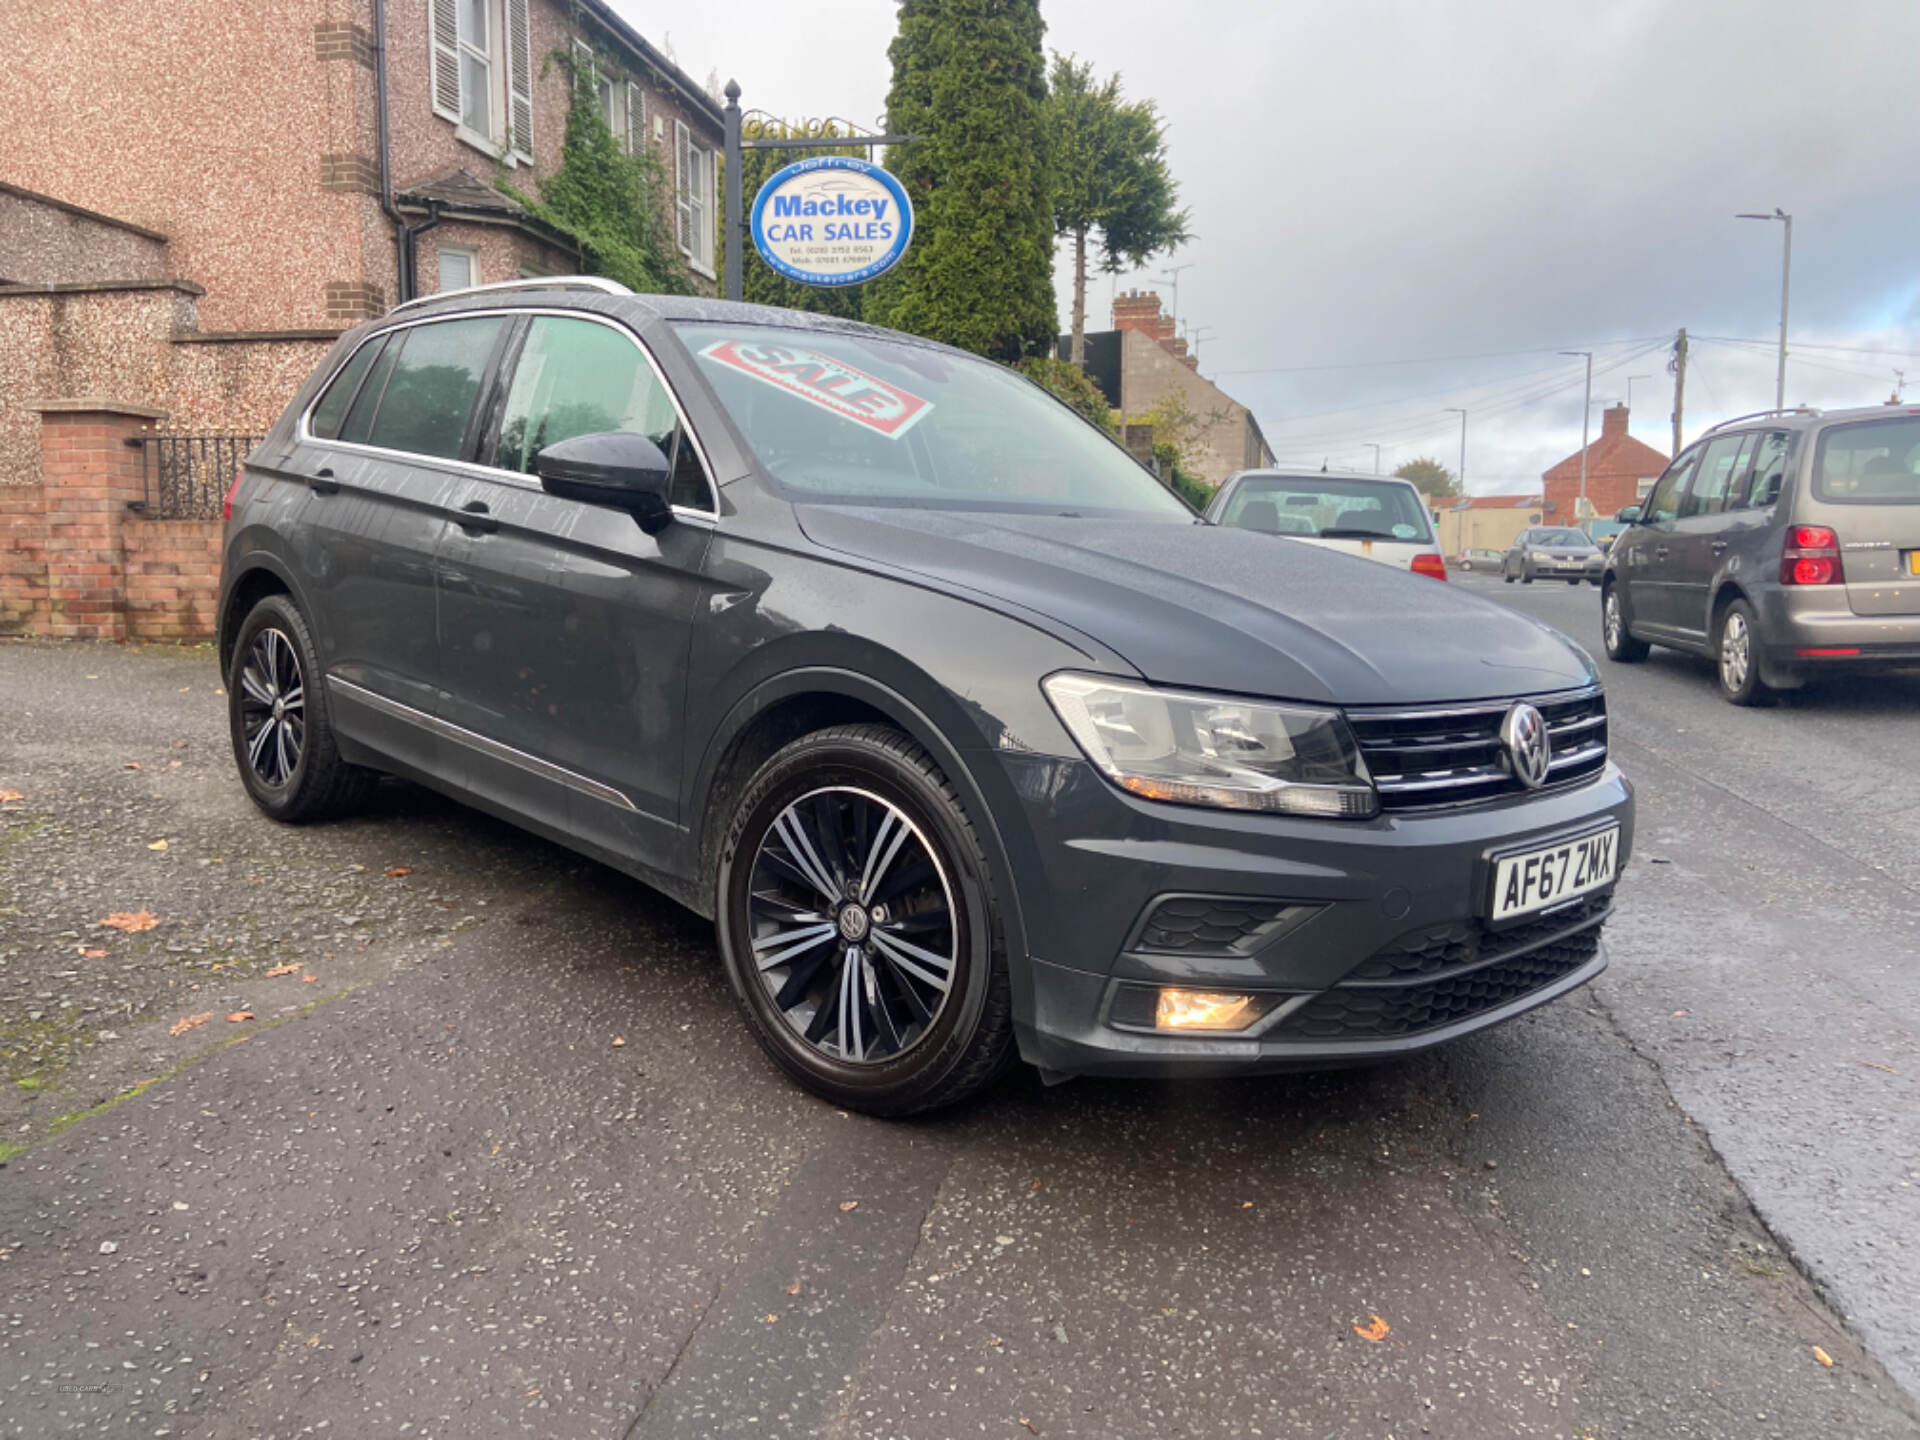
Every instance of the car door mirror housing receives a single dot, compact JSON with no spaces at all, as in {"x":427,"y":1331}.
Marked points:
{"x":620,"y":469}
{"x":1628,"y":515}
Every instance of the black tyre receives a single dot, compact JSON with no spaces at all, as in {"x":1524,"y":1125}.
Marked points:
{"x":1621,"y":646}
{"x":1736,"y":657}
{"x":1506,"y":574}
{"x":1573,"y":582}
{"x":277,"y":715}
{"x":1526,"y":576}
{"x":858,"y":925}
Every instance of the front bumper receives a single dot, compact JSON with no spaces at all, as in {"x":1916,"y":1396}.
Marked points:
{"x":1380,"y":946}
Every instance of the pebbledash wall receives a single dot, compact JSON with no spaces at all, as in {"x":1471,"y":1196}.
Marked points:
{"x":188,"y":221}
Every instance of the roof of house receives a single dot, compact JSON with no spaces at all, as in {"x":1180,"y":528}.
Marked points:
{"x":456,"y":195}
{"x":656,"y":60}
{"x":1614,"y":455}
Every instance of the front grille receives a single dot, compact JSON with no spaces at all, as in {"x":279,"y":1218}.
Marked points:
{"x":1452,"y":755}
{"x":1438,"y":949}
{"x":1214,"y":924}
{"x":1383,"y":1012}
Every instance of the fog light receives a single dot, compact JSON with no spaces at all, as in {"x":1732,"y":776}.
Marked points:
{"x":1205,"y":1010}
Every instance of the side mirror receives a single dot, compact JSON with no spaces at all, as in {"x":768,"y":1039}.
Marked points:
{"x":1630,"y":515}
{"x":617,"y":468}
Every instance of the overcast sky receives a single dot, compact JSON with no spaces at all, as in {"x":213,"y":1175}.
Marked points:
{"x":1374,"y":181}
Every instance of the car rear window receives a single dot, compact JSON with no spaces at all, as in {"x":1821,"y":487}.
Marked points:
{"x":1320,"y":506}
{"x":1870,"y":462}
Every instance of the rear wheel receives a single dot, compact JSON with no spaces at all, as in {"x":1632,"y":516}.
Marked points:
{"x":858,"y":926}
{"x":1737,"y":659}
{"x":277,"y":715}
{"x":1621,"y":646}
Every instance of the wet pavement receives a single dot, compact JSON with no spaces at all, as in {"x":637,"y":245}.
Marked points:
{"x":426,"y":1193}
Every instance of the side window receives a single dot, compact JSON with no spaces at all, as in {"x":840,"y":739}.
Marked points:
{"x":578,"y":377}
{"x":325,"y":420}
{"x":1718,"y":466}
{"x":1769,"y":470}
{"x":1664,"y":503}
{"x":360,"y":414}
{"x":429,"y":396}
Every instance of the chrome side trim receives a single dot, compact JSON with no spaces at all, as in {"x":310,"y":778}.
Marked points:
{"x":446,"y":729}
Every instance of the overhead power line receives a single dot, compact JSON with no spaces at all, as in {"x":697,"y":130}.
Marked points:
{"x":1798,"y":345}
{"x":1435,"y":359}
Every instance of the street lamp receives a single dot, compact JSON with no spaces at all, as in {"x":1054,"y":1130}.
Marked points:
{"x":1786,"y":274}
{"x":1456,"y":410}
{"x":1376,"y":455}
{"x":1586,"y":419}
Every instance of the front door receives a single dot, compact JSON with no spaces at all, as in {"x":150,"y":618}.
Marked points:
{"x":1645,"y":552}
{"x":381,"y":458}
{"x":566,"y":626}
{"x":1701,"y":528}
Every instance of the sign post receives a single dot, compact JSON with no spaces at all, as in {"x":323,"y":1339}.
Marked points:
{"x":736,"y":145}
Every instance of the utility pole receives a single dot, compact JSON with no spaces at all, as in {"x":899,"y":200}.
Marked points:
{"x":1678,"y":365}
{"x":1786,"y":275}
{"x":1455,"y":409}
{"x":1376,"y":455}
{"x":1586,"y":423}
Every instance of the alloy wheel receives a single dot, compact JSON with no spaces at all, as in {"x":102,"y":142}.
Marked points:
{"x":1736,"y":652}
{"x":273,"y":707}
{"x":852,"y":926}
{"x":1615,"y":622}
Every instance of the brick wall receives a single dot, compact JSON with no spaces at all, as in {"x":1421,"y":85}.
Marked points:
{"x":172,"y":578}
{"x":1616,"y":464}
{"x":23,"y":560}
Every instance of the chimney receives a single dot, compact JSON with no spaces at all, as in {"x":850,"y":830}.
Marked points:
{"x":1140,"y":310}
{"x":1613,"y":421}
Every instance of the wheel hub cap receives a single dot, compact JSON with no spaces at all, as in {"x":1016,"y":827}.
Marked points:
{"x":853,"y":923}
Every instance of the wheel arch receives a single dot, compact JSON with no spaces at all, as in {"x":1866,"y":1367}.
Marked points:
{"x":258,"y":577}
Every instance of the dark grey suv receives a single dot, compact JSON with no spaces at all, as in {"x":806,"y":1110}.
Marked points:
{"x":971,"y":738}
{"x":1783,"y":546}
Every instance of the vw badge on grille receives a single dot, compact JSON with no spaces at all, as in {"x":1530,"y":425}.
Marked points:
{"x":1524,"y":733}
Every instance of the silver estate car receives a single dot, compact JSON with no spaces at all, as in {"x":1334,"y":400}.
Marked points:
{"x":1782,"y":545}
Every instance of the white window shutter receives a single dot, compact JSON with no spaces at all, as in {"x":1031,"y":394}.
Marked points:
{"x":519,"y":78}
{"x":636,"y":120}
{"x":443,"y":22}
{"x":683,"y":181}
{"x":583,"y":57}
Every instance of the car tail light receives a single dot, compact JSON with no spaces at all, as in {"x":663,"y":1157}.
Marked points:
{"x":1811,"y":557}
{"x":226,"y":506}
{"x":1430,"y":564}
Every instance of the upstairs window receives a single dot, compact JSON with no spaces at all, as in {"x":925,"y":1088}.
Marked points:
{"x":693,"y":173}
{"x":483,"y":72}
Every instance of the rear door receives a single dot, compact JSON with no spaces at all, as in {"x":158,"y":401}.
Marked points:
{"x":566,"y":625}
{"x":1700,"y":530}
{"x":1866,"y":487}
{"x":381,"y":450}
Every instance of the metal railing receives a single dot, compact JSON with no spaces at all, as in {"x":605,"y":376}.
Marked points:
{"x":184,"y":476}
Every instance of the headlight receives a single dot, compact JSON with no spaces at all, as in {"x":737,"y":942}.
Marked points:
{"x":1215,"y":750}
{"x":1540,"y":555}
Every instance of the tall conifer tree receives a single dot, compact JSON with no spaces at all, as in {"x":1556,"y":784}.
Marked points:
{"x":970,"y":79}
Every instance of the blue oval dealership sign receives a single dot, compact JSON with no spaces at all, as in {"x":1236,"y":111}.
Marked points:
{"x":832,"y":220}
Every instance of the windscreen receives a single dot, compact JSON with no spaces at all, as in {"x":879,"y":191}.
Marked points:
{"x":1320,"y":506}
{"x":1560,"y":537}
{"x":1876,"y":462}
{"x":869,"y":420}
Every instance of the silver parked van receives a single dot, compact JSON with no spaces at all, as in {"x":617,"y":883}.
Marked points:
{"x":1783,"y":546}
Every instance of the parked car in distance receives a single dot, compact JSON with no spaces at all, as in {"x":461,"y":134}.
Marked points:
{"x":1374,"y":516}
{"x":970,"y":739}
{"x":1782,"y":546}
{"x":1553,"y":552}
{"x":1479,"y":559}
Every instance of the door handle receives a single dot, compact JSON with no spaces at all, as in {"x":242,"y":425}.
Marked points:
{"x":1719,"y":547}
{"x":1659,"y":552}
{"x":475,"y":519}
{"x":323,"y":482}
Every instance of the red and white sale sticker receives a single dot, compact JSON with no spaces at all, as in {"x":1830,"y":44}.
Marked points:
{"x":820,"y":380}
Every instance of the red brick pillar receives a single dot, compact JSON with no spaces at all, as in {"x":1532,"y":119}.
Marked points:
{"x":88,"y":475}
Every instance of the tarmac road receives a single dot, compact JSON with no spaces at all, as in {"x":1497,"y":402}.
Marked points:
{"x":426,"y":1193}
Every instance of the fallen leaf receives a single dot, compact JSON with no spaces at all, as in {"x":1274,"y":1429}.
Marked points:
{"x":1031,"y":1427}
{"x":7,"y":797}
{"x":394,"y":872}
{"x":1678,"y":1013}
{"x":1378,"y":1330}
{"x":619,"y":1040}
{"x":287,"y":969}
{"x":313,"y":1339}
{"x":190,"y":1022}
{"x":794,"y":1288}
{"x":238,"y":1016}
{"x":849,"y":1204}
{"x":1246,"y":1204}
{"x":530,"y":1394}
{"x":158,"y":845}
{"x":131,"y":765}
{"x":1823,"y":1357}
{"x":86,"y":954}
{"x":772,"y":1319}
{"x":496,"y":1149}
{"x":131,"y":921}
{"x":1876,"y":1065}
{"x":308,"y":979}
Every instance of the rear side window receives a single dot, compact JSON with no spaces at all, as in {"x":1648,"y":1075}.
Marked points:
{"x":429,"y":397}
{"x":332,"y":409}
{"x":578,"y":377}
{"x":1769,"y":470}
{"x":1714,"y":478}
{"x":1874,"y":462}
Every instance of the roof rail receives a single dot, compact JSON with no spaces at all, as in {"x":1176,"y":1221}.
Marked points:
{"x":531,"y":282}
{"x":1762,"y":414}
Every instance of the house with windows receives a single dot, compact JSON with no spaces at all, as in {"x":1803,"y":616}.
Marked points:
{"x":1620,"y":470}
{"x":191,"y":216}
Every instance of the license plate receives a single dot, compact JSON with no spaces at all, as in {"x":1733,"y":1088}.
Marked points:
{"x":1540,"y":879}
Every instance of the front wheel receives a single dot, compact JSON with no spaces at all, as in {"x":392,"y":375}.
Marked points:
{"x":858,"y":925}
{"x":1738,"y":664}
{"x":1506,"y":574}
{"x":1621,"y":646}
{"x":1526,"y":577}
